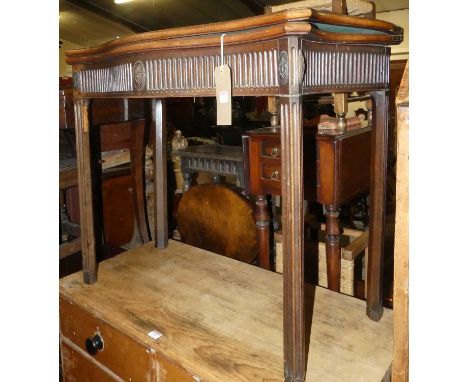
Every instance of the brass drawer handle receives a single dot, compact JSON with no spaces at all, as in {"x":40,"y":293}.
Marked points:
{"x":275,"y":151}
{"x":274,"y":175}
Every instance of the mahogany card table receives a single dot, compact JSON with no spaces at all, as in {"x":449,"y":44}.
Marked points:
{"x":286,"y":54}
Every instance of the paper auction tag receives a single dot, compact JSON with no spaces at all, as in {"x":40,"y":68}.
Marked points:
{"x":154,"y":334}
{"x":223,"y":95}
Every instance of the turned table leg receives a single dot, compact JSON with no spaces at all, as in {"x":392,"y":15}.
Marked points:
{"x":333,"y":249}
{"x":377,"y":204}
{"x":262,"y":221}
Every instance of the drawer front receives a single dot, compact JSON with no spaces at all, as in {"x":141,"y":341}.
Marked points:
{"x":271,"y":148}
{"x":167,"y":371}
{"x":270,"y":176}
{"x":271,"y":170}
{"x":79,"y":367}
{"x":127,"y":358}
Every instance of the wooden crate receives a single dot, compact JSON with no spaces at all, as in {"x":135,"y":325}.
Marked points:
{"x":353,"y":243}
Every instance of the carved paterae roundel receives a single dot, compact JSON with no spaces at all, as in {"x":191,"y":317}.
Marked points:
{"x":283,"y":67}
{"x":139,"y":75}
{"x":76,"y":80}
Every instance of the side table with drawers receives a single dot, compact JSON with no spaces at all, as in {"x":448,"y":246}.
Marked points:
{"x":336,"y":170}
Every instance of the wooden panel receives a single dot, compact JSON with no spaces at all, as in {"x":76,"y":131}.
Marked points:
{"x":116,"y":110}
{"x":354,"y":166}
{"x":254,"y":170}
{"x":117,"y":210}
{"x":121,"y":354}
{"x":343,"y":163}
{"x":400,"y":293}
{"x":221,"y":319}
{"x":326,"y":164}
{"x":80,"y":367}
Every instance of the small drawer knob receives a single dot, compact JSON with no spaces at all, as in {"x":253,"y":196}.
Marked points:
{"x":274,"y":175}
{"x":94,"y":344}
{"x":275,"y":151}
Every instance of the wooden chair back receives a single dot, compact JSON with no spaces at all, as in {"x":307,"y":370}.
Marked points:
{"x":121,"y":143}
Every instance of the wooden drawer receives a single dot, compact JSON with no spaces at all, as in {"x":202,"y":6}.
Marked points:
{"x":271,"y":170}
{"x":125,"y":357}
{"x":80,"y":367}
{"x":271,"y":148}
{"x":262,"y":150}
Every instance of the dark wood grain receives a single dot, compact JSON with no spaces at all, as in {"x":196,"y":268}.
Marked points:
{"x":220,"y":220}
{"x":333,"y":249}
{"x":117,"y":212}
{"x":343,"y":161}
{"x":377,"y":204}
{"x":137,"y":167}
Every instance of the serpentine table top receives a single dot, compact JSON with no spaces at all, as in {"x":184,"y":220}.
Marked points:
{"x":180,"y":62}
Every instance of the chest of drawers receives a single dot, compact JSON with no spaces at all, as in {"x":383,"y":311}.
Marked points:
{"x":93,"y":350}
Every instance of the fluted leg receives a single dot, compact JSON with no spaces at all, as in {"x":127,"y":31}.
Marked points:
{"x":378,"y":179}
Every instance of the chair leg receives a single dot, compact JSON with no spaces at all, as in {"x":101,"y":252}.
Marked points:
{"x":137,"y":153}
{"x":333,"y":249}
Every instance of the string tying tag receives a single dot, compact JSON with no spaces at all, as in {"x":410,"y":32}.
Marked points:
{"x":222,"y":48}
{"x":222,"y":76}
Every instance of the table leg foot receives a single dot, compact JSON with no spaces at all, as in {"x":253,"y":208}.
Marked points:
{"x":374,"y":312}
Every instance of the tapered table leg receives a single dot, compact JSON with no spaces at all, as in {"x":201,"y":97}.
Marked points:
{"x":85,"y":190}
{"x":158,"y":107}
{"x":293,"y":238}
{"x":378,"y":177}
